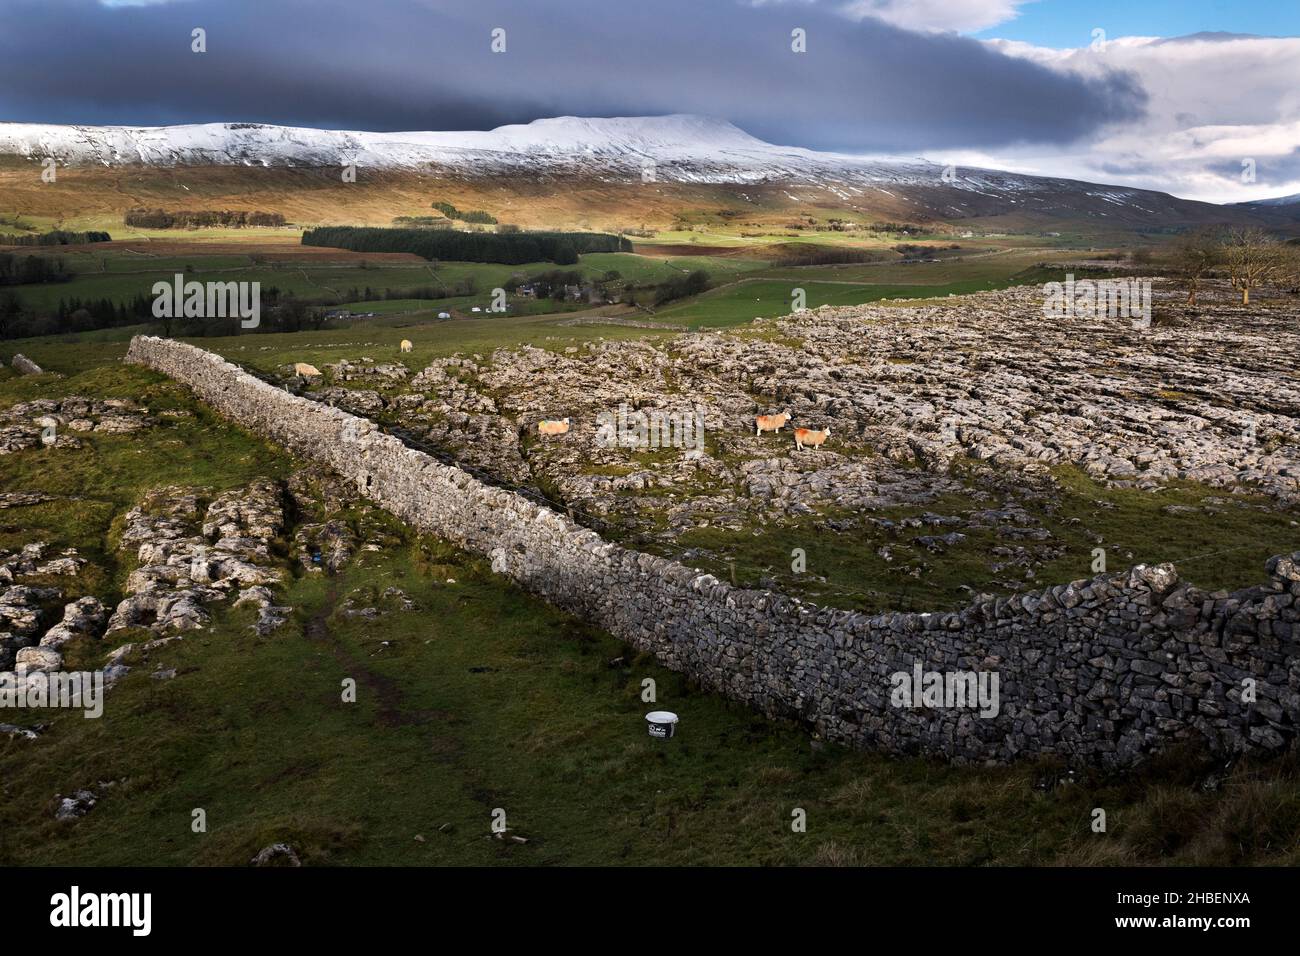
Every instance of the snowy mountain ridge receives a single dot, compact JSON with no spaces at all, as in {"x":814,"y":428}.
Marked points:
{"x":676,"y":148}
{"x":679,"y":148}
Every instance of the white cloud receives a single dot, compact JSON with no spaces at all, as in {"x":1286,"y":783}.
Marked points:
{"x":931,"y":16}
{"x":958,"y":16}
{"x":1216,"y":102}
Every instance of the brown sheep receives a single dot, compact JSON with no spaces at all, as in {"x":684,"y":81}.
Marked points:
{"x":810,"y":438}
{"x":770,"y":423}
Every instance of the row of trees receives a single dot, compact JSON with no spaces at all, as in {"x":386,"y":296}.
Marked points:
{"x":27,"y":270}
{"x":280,"y":313}
{"x":679,"y":287}
{"x":76,"y":315}
{"x":562,"y":248}
{"x":472,"y":215}
{"x":1250,"y":257}
{"x":465,"y":285}
{"x":200,"y":218}
{"x":57,"y":237}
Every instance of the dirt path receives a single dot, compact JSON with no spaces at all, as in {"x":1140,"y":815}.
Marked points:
{"x":390,"y":711}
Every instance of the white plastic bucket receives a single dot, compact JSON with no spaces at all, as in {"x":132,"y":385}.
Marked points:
{"x":662,"y":723}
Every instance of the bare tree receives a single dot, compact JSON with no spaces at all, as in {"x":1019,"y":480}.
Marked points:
{"x":1195,"y":256}
{"x":1291,"y":267}
{"x":1253,"y":258}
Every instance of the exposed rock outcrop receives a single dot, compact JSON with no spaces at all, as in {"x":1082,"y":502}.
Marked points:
{"x":191,"y":555}
{"x":1104,"y":670}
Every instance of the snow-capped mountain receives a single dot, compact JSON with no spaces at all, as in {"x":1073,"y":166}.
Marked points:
{"x":678,"y":148}
{"x":1292,"y":200}
{"x":682,"y":147}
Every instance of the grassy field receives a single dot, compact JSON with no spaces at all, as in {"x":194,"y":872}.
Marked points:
{"x":1216,"y":542}
{"x":378,"y":338}
{"x":751,"y":298}
{"x":124,"y":269}
{"x":744,"y":287}
{"x":120,"y":273}
{"x":485,"y":698}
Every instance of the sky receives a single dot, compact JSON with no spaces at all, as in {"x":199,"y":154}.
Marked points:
{"x":1058,"y":24}
{"x":1200,"y":98}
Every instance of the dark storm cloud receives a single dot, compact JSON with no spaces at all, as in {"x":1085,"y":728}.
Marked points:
{"x":404,"y":64}
{"x":1269,"y":171}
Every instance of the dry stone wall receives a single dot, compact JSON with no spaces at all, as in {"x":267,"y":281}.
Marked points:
{"x":1101,"y":671}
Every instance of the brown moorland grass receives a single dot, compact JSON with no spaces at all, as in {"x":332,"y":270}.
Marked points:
{"x":97,"y":197}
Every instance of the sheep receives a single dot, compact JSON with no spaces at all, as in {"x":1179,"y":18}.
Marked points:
{"x":546,"y":427}
{"x":810,"y":438}
{"x":770,"y":423}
